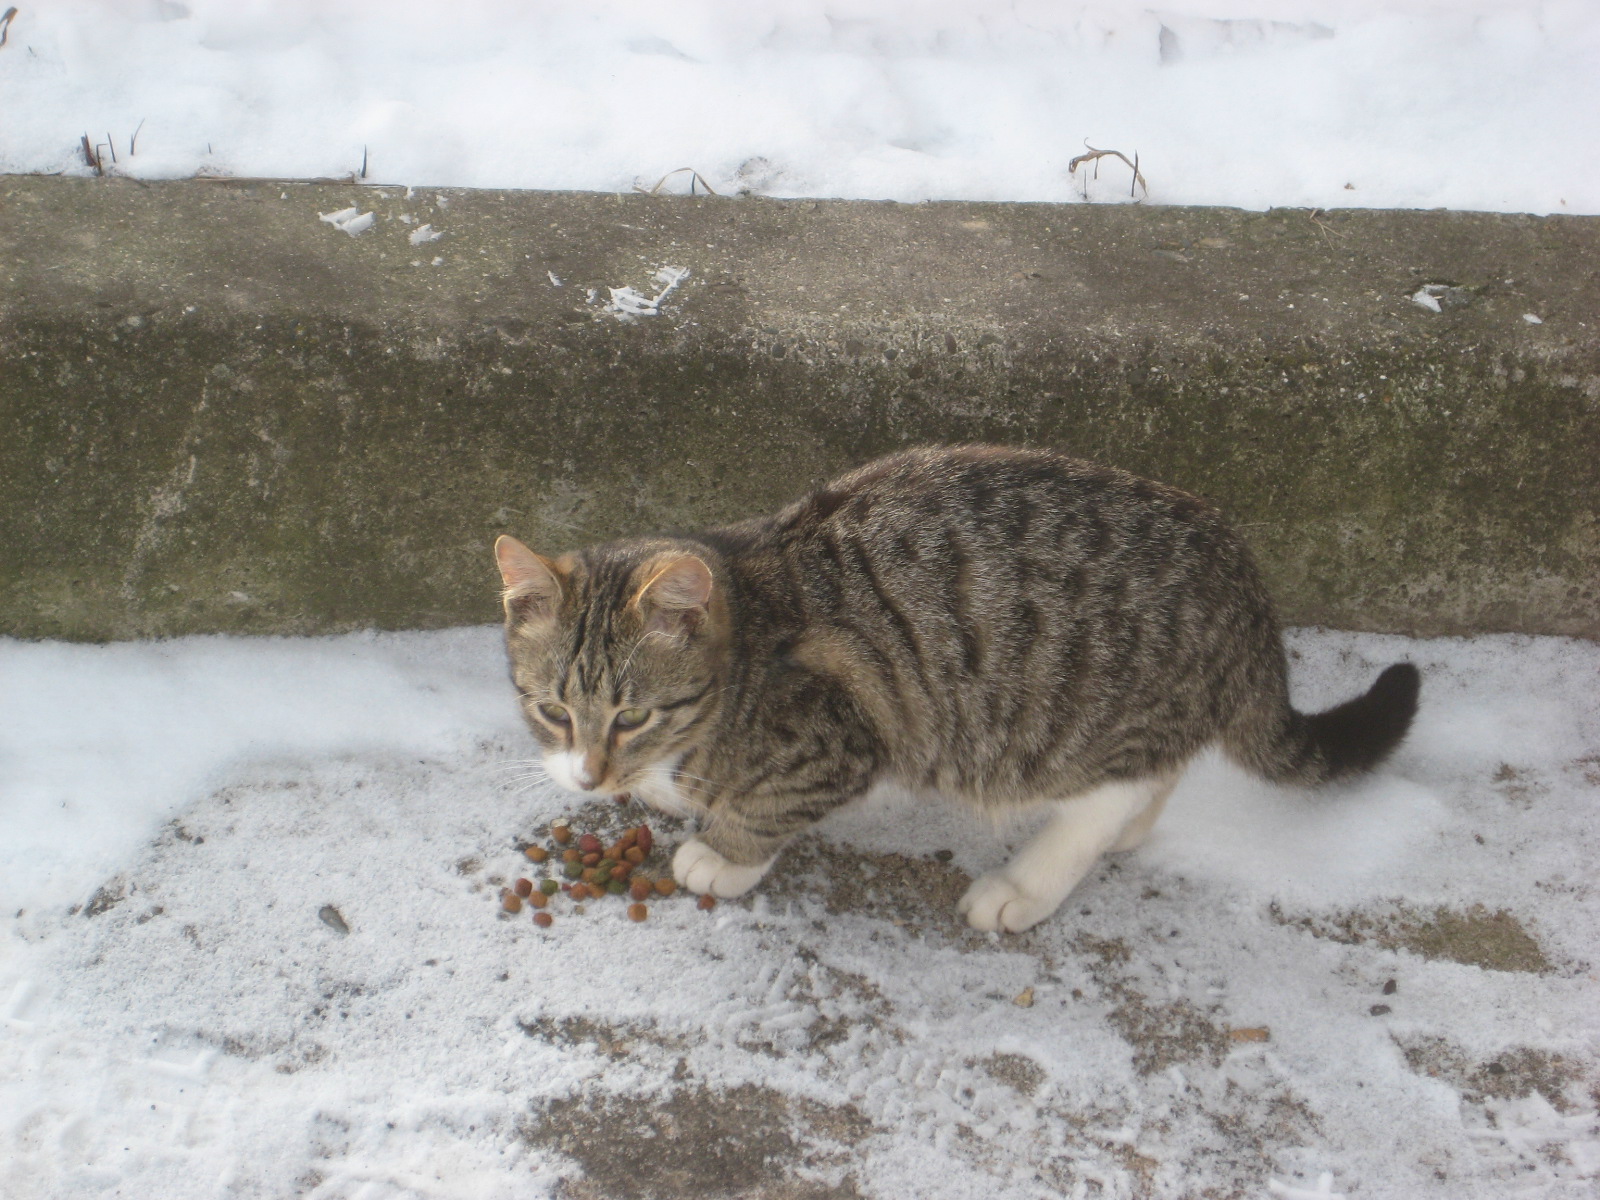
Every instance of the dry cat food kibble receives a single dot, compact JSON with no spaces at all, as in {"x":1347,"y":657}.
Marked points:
{"x":591,"y":868}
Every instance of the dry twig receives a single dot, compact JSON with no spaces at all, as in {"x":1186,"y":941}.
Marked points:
{"x":1325,"y":228}
{"x":1095,"y":156}
{"x":5,"y":23}
{"x":91,"y":155}
{"x":694,"y":178}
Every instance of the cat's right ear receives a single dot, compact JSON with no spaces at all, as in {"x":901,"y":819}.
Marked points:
{"x":532,"y":585}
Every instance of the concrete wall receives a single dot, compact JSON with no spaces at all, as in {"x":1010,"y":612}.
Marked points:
{"x":219,"y":412}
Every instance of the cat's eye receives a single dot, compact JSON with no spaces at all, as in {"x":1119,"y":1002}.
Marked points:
{"x":632,"y":718}
{"x":555,"y":714}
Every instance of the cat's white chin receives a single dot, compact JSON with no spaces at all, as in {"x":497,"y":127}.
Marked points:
{"x":702,"y":870}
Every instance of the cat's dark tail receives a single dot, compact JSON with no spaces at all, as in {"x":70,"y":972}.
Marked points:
{"x":1286,"y":746}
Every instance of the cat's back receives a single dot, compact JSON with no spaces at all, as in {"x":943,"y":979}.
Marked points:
{"x":982,"y":601}
{"x":997,"y":507}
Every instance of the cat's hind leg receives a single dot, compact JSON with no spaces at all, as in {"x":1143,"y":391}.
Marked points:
{"x":1033,"y":884}
{"x":1139,"y":828}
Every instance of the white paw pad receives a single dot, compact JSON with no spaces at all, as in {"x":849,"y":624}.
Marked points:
{"x":701,"y":869}
{"x":995,"y":902}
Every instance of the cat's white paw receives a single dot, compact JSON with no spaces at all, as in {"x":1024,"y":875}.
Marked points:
{"x":995,"y":902}
{"x":701,"y":869}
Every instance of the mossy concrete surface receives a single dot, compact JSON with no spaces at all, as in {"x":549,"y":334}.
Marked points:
{"x":219,"y":412}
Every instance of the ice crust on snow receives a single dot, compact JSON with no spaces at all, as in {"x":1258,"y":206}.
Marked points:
{"x":1475,"y":104}
{"x":176,"y":1019}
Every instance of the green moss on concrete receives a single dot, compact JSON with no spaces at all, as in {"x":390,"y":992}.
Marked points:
{"x":220,"y":414}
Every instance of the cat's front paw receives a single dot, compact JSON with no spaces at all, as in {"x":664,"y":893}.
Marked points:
{"x":701,"y":869}
{"x":996,"y":902}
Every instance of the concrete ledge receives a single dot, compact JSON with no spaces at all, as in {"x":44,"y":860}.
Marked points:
{"x":219,"y":412}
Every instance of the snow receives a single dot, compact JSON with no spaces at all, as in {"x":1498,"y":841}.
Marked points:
{"x":1466,"y":104}
{"x":250,"y":938}
{"x":176,"y":1020}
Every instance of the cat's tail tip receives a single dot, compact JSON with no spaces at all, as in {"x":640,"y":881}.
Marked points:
{"x":1347,"y":740}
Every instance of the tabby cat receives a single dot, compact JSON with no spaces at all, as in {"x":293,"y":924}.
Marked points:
{"x":1010,"y":627}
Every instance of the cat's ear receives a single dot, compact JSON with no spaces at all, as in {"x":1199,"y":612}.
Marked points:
{"x":675,"y":595}
{"x":532,"y":584}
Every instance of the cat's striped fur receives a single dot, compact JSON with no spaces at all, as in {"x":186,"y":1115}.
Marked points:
{"x":1003,"y":626}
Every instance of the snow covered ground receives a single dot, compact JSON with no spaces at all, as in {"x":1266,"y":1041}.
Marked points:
{"x":1468,"y":104}
{"x":251,"y":948}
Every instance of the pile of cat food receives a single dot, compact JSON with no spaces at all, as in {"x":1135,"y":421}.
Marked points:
{"x":584,"y":868}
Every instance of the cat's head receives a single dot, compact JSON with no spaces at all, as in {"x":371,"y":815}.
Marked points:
{"x":616,"y":653}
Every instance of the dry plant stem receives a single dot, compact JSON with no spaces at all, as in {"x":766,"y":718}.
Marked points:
{"x":134,"y":140}
{"x":1328,"y":231}
{"x":1095,"y":156}
{"x":5,"y":23}
{"x":91,"y":156}
{"x":694,"y":178}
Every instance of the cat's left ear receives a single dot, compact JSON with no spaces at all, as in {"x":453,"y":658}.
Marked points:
{"x":675,"y":596}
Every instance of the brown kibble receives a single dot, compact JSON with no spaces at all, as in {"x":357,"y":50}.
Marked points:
{"x":523,"y":888}
{"x":589,"y":844}
{"x":621,"y":870}
{"x":592,"y":859}
{"x":707,"y":902}
{"x":666,"y":885}
{"x":645,"y":839}
{"x":628,"y":838}
{"x":638,"y":912}
{"x":572,"y":856}
{"x":538,"y":899}
{"x":511,"y":902}
{"x":587,"y":874}
{"x":633,"y":854}
{"x":641,"y":889}
{"x":615,"y":851}
{"x":543,"y":920}
{"x":561,"y":833}
{"x":536,"y":854}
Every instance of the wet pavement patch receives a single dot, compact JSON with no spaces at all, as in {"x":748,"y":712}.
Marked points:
{"x":1476,"y":937}
{"x":749,"y":1142}
{"x":1511,"y":1074}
